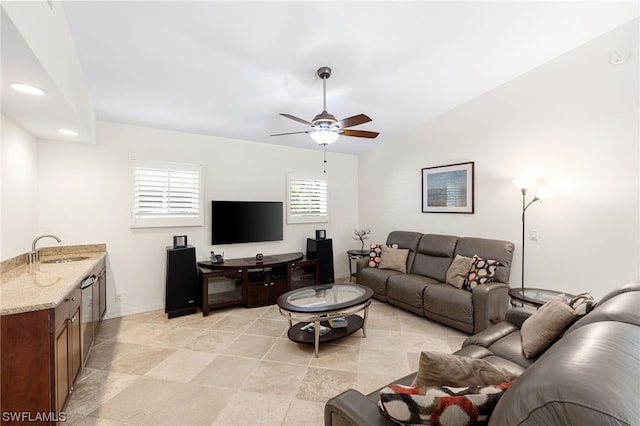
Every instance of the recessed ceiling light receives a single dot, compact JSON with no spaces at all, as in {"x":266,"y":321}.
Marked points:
{"x":68,"y":132}
{"x":27,"y":88}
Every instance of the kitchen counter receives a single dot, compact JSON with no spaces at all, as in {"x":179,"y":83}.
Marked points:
{"x":28,"y":287}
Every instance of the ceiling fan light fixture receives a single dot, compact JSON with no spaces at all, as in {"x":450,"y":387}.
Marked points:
{"x":28,"y":89}
{"x":324,"y":137}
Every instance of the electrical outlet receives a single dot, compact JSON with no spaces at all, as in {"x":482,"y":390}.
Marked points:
{"x":119,"y":297}
{"x":533,"y":235}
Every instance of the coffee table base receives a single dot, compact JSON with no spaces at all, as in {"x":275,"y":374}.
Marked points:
{"x":354,"y":323}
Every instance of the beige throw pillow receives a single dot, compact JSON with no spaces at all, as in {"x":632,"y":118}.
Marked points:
{"x":544,"y":325}
{"x":458,"y":271}
{"x":442,"y":369}
{"x":394,"y":258}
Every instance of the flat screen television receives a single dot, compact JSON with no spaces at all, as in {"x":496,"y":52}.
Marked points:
{"x":246,"y":221}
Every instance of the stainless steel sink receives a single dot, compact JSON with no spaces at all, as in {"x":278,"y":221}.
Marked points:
{"x":65,"y":259}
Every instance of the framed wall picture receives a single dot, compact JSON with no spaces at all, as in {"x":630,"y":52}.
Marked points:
{"x":448,"y":189}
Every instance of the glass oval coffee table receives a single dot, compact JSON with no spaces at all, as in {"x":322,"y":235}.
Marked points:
{"x":312,"y":308}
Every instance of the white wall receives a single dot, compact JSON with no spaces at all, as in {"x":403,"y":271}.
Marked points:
{"x":84,"y":198}
{"x":572,"y":122}
{"x":19,"y":189}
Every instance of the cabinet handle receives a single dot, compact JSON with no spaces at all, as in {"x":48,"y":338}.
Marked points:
{"x":272,"y":284}
{"x":266,"y":284}
{"x":73,"y":319}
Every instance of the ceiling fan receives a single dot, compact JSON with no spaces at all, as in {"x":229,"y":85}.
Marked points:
{"x":325,"y":129}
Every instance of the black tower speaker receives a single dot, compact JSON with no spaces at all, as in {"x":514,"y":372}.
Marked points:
{"x":181,"y":295}
{"x":323,"y":251}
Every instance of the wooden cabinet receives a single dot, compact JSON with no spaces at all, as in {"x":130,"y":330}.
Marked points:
{"x":67,"y":354}
{"x":254,"y":282}
{"x":41,"y":354}
{"x":265,"y":285}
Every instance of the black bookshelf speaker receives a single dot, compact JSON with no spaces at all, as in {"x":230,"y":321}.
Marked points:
{"x":181,"y":292}
{"x":322,"y":250}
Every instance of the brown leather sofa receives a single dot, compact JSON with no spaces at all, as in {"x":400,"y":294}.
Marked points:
{"x":589,"y":376}
{"x":422,"y":290}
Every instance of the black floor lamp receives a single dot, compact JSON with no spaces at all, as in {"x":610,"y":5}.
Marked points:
{"x":543,"y":192}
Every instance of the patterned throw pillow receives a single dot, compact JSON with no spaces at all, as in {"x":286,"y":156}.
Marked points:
{"x":375,"y":253}
{"x":440,"y":405}
{"x":482,"y":271}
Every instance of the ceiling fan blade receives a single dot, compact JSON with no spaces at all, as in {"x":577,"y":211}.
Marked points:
{"x":299,"y":120}
{"x":359,"y":133}
{"x":353,"y":121}
{"x":291,"y":133}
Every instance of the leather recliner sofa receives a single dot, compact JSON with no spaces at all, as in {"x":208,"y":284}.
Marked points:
{"x":422,"y":290}
{"x":589,"y":376}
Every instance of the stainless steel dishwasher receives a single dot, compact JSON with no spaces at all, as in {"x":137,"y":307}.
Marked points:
{"x":86,"y":314}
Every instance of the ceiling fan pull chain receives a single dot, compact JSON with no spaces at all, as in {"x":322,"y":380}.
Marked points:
{"x":324,"y":165}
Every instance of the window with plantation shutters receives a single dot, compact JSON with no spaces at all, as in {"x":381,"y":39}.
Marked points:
{"x":166,"y":194}
{"x":307,"y":199}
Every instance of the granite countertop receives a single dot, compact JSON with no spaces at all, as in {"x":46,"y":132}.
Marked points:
{"x":28,"y":287}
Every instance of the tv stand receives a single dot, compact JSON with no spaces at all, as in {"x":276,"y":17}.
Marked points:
{"x":254,"y":282}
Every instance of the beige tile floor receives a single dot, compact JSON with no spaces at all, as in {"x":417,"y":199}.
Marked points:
{"x":237,"y":367}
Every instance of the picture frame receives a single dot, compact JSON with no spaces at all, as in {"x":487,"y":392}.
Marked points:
{"x":448,"y":189}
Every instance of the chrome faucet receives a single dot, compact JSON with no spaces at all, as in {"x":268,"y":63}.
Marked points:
{"x":34,"y":255}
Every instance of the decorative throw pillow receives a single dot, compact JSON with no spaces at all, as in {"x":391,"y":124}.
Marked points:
{"x":394,"y":258}
{"x":544,"y":325}
{"x":439,"y":368}
{"x":374,"y":255}
{"x":458,"y":271}
{"x":440,"y":405}
{"x":482,"y":271}
{"x":582,"y":304}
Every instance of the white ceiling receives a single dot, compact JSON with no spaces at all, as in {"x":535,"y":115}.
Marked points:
{"x":229,"y":68}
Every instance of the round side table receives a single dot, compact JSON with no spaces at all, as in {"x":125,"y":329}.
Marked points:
{"x":355,"y":255}
{"x":534,"y":296}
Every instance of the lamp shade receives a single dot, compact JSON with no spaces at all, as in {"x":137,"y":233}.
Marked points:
{"x":543,"y":193}
{"x":324,"y":137}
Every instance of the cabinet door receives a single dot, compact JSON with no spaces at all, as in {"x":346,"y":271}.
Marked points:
{"x":258,"y":294}
{"x":75,"y":346}
{"x":61,"y":366}
{"x":276,"y":289}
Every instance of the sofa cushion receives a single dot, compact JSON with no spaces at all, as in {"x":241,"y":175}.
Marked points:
{"x":376,"y":279}
{"x":482,"y":271}
{"x":406,"y":291}
{"x":439,"y":368}
{"x":545,"y":325}
{"x":622,"y":306}
{"x":394,"y":258}
{"x":589,"y":377}
{"x":405,"y":240}
{"x":458,"y":271}
{"x":502,"y":251}
{"x":440,"y":405}
{"x":433,"y":256}
{"x":447,"y":304}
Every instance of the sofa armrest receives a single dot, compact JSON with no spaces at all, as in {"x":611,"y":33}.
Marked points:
{"x":490,"y":303}
{"x":361,"y":263}
{"x":517,"y":316}
{"x":351,"y":408}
